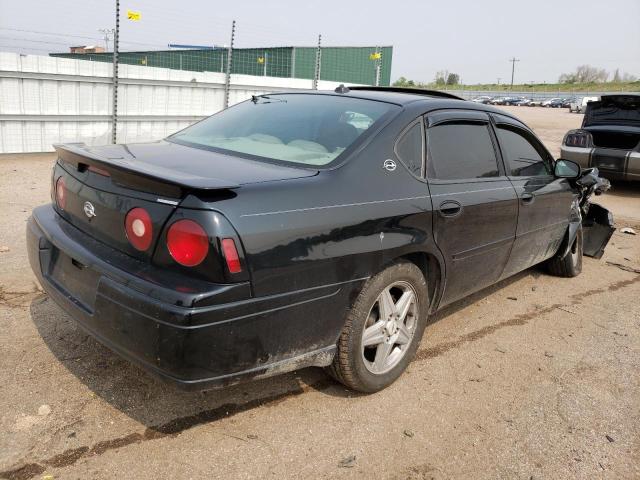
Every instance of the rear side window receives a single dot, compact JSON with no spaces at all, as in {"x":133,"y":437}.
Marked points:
{"x":523,"y":158}
{"x":460,"y":151}
{"x":409,"y":149}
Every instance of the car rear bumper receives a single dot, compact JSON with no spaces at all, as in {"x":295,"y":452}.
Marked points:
{"x":223,"y":341}
{"x":613,"y":164}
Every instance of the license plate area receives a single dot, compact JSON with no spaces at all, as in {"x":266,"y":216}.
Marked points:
{"x":77,"y":281}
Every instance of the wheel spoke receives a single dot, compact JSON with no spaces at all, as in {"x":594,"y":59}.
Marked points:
{"x":404,"y":335}
{"x":374,"y":334}
{"x":385,"y":304}
{"x":403,"y":305}
{"x":382,"y":354}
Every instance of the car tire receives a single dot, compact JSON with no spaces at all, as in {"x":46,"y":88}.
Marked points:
{"x":571,"y":264}
{"x":392,"y":343}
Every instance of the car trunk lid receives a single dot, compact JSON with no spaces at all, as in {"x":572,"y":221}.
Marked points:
{"x":171,"y":169}
{"x":621,"y":110}
{"x":102,"y":184}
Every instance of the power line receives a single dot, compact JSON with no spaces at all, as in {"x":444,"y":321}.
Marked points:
{"x":39,"y":32}
{"x":87,"y":37}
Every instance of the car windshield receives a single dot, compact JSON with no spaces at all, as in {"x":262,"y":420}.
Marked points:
{"x":306,"y":129}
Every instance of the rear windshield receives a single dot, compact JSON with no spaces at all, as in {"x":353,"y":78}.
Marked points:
{"x":298,"y":128}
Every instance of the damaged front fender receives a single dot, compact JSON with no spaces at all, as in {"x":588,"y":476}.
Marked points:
{"x":597,"y":227}
{"x":575,"y":221}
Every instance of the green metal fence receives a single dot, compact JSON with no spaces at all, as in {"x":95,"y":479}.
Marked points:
{"x":340,"y":64}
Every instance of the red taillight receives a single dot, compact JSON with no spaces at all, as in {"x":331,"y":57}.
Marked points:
{"x":61,"y":193}
{"x":187,"y":242}
{"x":231,"y":255}
{"x":581,"y":139}
{"x":139,"y":228}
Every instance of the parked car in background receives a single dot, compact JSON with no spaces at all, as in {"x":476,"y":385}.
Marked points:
{"x":609,"y":138}
{"x":505,"y":100}
{"x":512,"y":100}
{"x":580,"y":104}
{"x":534,"y":103}
{"x":484,"y":99}
{"x":523,"y":102}
{"x":552,"y":103}
{"x":276,"y":235}
{"x":566,"y":102}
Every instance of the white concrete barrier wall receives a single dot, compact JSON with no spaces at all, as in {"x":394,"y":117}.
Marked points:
{"x":46,"y":100}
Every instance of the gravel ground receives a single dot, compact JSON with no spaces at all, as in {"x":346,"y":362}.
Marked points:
{"x":536,"y":377}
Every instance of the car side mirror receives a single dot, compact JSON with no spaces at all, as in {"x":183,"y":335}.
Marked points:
{"x":566,"y":169}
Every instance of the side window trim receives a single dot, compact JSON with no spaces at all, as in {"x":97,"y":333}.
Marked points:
{"x":459,"y":116}
{"x":529,"y":137}
{"x":438,"y":117}
{"x":402,"y":134}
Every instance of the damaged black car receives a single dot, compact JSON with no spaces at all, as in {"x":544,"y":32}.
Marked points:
{"x":305,"y":229}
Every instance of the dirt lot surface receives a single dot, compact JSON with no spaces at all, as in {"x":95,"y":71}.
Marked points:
{"x":534,"y":378}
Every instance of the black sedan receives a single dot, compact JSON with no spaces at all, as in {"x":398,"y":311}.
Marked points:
{"x":300,"y":229}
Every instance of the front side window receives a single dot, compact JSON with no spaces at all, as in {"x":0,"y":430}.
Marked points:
{"x":521,"y":156}
{"x":460,"y":151}
{"x":409,"y":149}
{"x":304,"y":129}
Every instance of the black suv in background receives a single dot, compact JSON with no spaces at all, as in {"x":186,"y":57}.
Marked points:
{"x":609,"y":138}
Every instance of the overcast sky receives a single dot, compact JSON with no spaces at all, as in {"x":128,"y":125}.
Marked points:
{"x":470,"y":37}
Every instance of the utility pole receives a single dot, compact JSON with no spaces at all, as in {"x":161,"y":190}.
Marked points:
{"x":513,"y":68}
{"x":378,"y":65}
{"x":227,"y":83}
{"x":316,"y":75}
{"x":499,"y":78}
{"x":107,"y":32}
{"x":114,"y":114}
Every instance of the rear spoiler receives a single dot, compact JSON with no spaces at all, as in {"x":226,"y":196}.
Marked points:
{"x":414,"y":91}
{"x":138,"y":175}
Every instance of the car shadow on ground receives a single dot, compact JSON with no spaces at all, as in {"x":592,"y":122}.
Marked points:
{"x":623,"y":189}
{"x":163,"y":408}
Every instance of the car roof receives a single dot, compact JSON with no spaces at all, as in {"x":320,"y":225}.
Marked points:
{"x":397,"y":95}
{"x":429,"y":99}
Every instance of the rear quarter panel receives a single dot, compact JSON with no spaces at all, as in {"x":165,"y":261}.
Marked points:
{"x":342,"y":225}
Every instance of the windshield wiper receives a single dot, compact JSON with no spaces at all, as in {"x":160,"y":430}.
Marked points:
{"x":258,"y":98}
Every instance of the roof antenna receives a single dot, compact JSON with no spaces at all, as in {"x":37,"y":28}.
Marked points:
{"x":342,"y":89}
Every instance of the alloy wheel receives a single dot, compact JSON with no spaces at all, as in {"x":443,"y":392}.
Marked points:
{"x":390,"y":327}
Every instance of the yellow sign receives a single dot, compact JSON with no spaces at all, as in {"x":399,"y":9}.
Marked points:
{"x":375,"y":56}
{"x":135,"y":16}
{"x":260,"y":59}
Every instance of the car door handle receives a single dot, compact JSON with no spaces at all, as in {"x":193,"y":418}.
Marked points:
{"x":450,"y":208}
{"x":527,"y":198}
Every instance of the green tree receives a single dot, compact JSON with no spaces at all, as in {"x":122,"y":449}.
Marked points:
{"x":441,"y":77}
{"x":403,"y":82}
{"x":585,"y":74}
{"x":453,"y":79}
{"x":616,"y":76}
